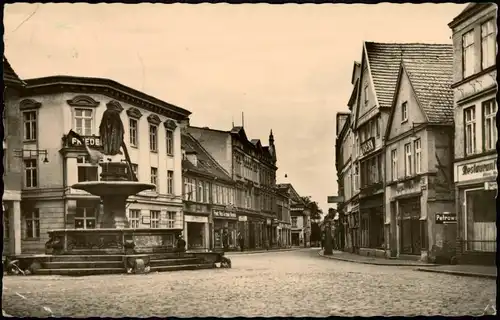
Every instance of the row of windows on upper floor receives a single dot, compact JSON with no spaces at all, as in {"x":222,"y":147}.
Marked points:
{"x":86,"y":218}
{"x":89,"y":172}
{"x":198,"y":190}
{"x":248,"y":169}
{"x":488,"y":48}
{"x":487,"y":129}
{"x":370,"y":171}
{"x":83,"y":124}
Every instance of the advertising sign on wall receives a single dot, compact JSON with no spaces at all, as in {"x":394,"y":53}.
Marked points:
{"x":476,"y":170}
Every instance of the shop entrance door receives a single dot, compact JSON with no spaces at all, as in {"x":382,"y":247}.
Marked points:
{"x":196,"y":235}
{"x":410,"y":236}
{"x":251,"y":236}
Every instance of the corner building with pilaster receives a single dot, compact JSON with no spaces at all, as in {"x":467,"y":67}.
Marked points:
{"x":50,"y":107}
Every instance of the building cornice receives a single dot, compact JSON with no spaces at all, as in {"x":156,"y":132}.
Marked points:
{"x":110,"y":88}
{"x":474,"y":76}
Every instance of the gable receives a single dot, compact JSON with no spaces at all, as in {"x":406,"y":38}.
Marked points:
{"x":404,"y":92}
{"x":366,"y":98}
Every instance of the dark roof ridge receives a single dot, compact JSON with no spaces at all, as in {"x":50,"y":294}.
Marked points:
{"x":33,"y":82}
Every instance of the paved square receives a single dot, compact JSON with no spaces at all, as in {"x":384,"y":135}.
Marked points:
{"x":293,"y":283}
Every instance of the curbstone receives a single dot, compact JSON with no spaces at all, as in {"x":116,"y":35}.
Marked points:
{"x":458,"y":273}
{"x":377,"y":263}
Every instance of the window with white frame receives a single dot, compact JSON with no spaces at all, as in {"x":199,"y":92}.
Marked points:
{"x":408,"y":156}
{"x":85,"y":218}
{"x":154,"y":221}
{"x":490,"y":130}
{"x":194,"y":193}
{"x":170,"y":142}
{"x":170,"y":219}
{"x":133,"y":131}
{"x":223,"y":195}
{"x":32,"y":219}
{"x":30,"y":173}
{"x":488,"y":44}
{"x":83,"y":121}
{"x":394,"y":164}
{"x":134,"y":216}
{"x":404,"y":111}
{"x":199,"y":191}
{"x":170,"y":182}
{"x":153,"y":138}
{"x":468,"y":56}
{"x":30,"y":125}
{"x":154,"y":176}
{"x":355,"y":176}
{"x":207,"y":192}
{"x":418,"y":155}
{"x":470,"y":130}
{"x":86,"y":170}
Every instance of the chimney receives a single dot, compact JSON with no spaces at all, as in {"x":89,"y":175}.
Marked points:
{"x":192,"y":157}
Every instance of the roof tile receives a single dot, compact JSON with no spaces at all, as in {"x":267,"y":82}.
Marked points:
{"x":206,"y":164}
{"x":385,"y":61}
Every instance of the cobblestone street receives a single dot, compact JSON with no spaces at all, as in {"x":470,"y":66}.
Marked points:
{"x":293,"y":283}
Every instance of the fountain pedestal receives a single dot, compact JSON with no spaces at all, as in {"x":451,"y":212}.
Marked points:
{"x":114,"y":189}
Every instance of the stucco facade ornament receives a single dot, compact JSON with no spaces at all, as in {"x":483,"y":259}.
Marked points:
{"x":83,"y":101}
{"x":29,"y":104}
{"x":154,"y":119}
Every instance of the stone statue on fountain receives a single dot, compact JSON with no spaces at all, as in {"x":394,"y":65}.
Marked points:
{"x":118,"y":180}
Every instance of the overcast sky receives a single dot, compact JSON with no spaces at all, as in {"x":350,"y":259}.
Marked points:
{"x":287,"y":67}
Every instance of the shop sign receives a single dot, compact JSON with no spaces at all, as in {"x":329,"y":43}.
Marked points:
{"x":242,"y":218}
{"x":146,"y":220}
{"x":368,"y":146}
{"x":200,"y":219}
{"x":477,"y":170}
{"x":92,"y":141}
{"x":490,"y":185}
{"x":335,"y":199}
{"x":445,"y":218}
{"x":224,"y":214}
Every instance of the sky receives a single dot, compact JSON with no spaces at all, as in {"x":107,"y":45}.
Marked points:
{"x":286,"y":67}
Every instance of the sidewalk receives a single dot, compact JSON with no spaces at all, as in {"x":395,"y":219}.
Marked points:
{"x":489,"y":272}
{"x":351,"y":257}
{"x":230,"y":253}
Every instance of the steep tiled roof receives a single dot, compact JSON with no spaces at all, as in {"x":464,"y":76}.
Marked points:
{"x":432,"y":81}
{"x":385,"y":60}
{"x":9,"y":75}
{"x":206,"y":164}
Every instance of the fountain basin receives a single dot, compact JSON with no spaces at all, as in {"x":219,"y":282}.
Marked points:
{"x":113,"y":188}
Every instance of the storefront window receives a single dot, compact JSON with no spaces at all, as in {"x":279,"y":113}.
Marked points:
{"x":481,"y":219}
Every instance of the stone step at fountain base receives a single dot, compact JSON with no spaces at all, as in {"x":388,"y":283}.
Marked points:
{"x":80,"y":271}
{"x":182,"y":267}
{"x":84,"y":264}
{"x":83,"y":258}
{"x":174,"y":262}
{"x":81,"y":265}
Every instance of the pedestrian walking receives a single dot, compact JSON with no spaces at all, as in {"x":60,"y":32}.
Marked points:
{"x":225,"y":241}
{"x":241,"y":241}
{"x":181,"y":244}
